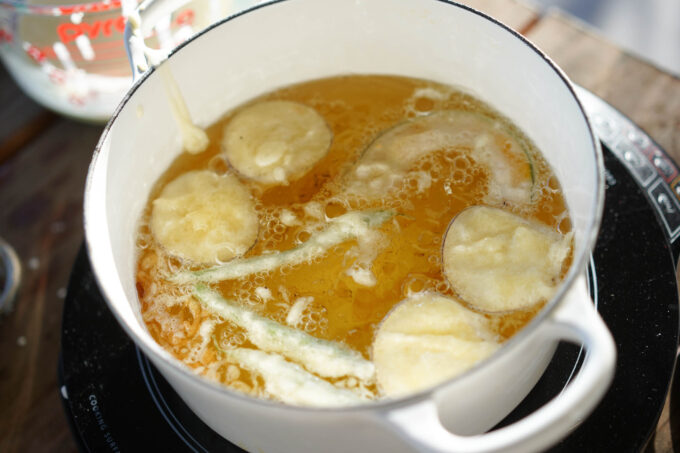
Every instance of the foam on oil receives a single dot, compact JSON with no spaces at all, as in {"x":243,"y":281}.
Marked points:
{"x":350,"y":288}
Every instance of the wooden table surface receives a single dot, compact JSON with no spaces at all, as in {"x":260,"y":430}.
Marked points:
{"x":43,"y":163}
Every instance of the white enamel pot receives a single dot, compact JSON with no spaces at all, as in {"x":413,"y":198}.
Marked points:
{"x":295,"y":40}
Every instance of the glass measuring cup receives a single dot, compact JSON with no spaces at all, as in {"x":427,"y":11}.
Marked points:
{"x":71,"y":58}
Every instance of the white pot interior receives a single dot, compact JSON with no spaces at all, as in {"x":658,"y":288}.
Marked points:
{"x":297,"y":40}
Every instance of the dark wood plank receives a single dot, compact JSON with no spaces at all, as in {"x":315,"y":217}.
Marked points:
{"x":41,"y":192}
{"x":21,"y":119}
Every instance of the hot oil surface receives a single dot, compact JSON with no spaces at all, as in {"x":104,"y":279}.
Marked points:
{"x":404,"y":255}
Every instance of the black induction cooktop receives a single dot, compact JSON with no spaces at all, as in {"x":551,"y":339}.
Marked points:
{"x":117,"y":401}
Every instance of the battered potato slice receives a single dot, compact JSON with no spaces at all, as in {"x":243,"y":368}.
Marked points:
{"x":276,"y":142}
{"x":498,"y":261}
{"x":386,"y":161}
{"x":426,"y":339}
{"x":205,"y":217}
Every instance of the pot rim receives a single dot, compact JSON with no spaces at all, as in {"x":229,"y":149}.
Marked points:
{"x":577,"y":267}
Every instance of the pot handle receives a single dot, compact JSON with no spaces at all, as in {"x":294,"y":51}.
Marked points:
{"x":575,"y":320}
